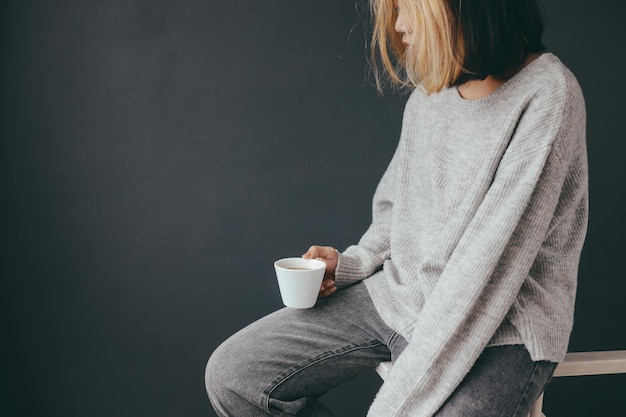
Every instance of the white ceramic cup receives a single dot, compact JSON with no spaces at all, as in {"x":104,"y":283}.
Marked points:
{"x":299,"y":281}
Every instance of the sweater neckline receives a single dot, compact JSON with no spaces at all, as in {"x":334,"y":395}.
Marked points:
{"x":494,"y":96}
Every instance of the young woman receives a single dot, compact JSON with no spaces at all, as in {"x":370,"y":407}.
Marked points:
{"x":466,"y":277}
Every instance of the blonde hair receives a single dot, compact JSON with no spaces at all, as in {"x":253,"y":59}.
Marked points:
{"x":434,"y":60}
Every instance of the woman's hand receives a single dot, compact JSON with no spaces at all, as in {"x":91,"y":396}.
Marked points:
{"x":330,"y":256}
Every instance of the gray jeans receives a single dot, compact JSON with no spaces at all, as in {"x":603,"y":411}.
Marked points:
{"x":281,"y":364}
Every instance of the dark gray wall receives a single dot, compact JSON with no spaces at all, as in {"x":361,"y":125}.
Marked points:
{"x":157,"y":157}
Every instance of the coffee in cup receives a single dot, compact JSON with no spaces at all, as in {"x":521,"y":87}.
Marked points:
{"x":299,"y":281}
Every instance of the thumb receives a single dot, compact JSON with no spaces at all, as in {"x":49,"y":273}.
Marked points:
{"x":312,"y":253}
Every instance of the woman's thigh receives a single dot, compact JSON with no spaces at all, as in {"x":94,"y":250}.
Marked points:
{"x":504,"y":382}
{"x":290,"y":356}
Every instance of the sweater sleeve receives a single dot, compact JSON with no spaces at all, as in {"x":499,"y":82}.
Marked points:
{"x":360,"y":261}
{"x":489,"y":264}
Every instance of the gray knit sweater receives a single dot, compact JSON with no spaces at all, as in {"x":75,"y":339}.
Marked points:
{"x":477,"y":229}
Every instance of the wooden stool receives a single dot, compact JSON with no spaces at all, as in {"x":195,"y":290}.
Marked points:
{"x":575,"y":364}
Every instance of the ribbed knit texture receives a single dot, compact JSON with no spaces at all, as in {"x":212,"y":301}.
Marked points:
{"x":477,"y":229}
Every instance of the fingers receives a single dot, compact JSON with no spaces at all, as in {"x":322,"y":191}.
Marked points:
{"x":328,"y":288}
{"x":327,"y":253}
{"x":324,"y":252}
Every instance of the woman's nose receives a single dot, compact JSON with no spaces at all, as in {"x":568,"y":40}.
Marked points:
{"x":400,"y":25}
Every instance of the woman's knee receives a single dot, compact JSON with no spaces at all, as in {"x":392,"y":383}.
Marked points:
{"x":215,"y":377}
{"x":233,"y":383}
{"x":222,"y":376}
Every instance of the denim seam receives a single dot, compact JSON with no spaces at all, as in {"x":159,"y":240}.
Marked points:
{"x":276,"y":383}
{"x":531,"y":380}
{"x":392,"y":340}
{"x":527,"y":388}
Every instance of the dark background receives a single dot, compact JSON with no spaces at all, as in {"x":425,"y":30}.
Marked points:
{"x":157,"y":156}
